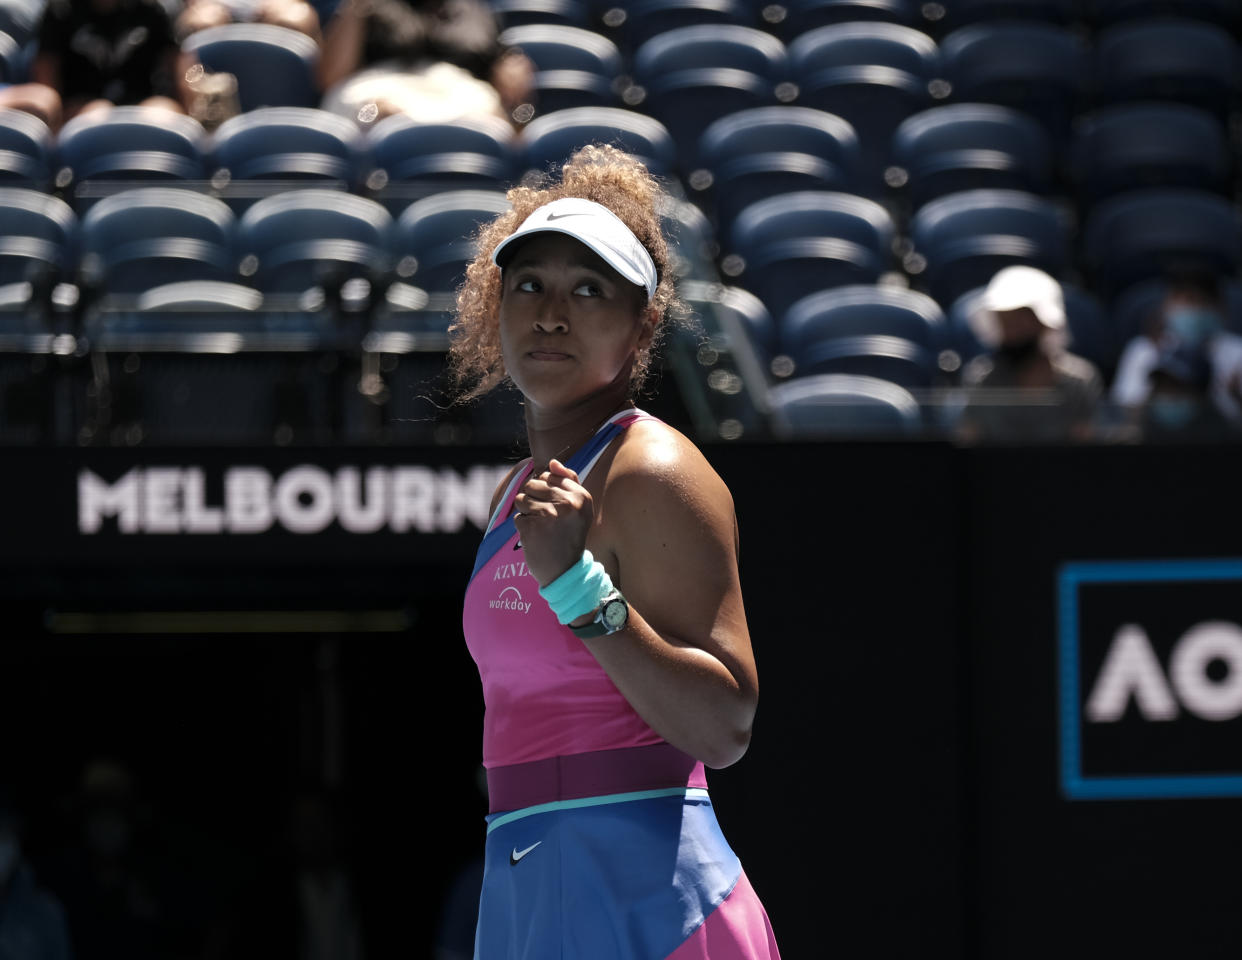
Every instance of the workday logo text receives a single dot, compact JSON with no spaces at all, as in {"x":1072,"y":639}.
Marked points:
{"x":510,"y":598}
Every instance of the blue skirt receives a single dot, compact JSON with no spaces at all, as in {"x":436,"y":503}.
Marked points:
{"x":632,"y":876}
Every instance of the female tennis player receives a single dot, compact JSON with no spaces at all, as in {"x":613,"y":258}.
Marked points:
{"x":604,"y":612}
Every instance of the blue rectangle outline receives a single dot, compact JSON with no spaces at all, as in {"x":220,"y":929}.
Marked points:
{"x":1070,"y":576}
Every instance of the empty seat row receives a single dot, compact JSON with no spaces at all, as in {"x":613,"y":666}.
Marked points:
{"x":876,"y":74}
{"x":152,"y":236}
{"x":632,"y":23}
{"x":765,"y":151}
{"x":305,"y":144}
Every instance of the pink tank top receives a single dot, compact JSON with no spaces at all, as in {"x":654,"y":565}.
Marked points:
{"x":544,"y":694}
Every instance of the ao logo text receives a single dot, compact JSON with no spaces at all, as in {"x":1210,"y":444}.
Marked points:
{"x":1203,"y":676}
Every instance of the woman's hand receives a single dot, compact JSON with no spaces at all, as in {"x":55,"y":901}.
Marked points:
{"x":555,"y":513}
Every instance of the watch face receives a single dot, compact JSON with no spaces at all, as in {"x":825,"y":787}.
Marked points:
{"x":615,"y":614}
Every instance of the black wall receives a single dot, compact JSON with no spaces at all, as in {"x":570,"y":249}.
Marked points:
{"x":903,"y":791}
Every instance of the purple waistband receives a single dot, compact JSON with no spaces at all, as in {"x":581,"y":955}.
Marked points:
{"x":592,"y":774}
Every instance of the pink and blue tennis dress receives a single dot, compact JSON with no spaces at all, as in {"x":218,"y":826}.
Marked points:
{"x":602,"y":843}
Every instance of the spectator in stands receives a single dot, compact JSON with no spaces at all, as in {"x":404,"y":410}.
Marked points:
{"x":1029,"y":388}
{"x":102,"y":53}
{"x":1179,"y":404}
{"x":294,"y":14}
{"x":435,"y":59}
{"x":32,"y":921}
{"x":1190,"y":319}
{"x":122,"y":902}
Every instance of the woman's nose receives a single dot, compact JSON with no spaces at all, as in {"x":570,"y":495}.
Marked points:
{"x":551,"y":317}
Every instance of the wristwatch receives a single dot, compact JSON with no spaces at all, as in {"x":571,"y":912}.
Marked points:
{"x":612,"y":615}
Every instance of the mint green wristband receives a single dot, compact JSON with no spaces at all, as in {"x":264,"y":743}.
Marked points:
{"x":579,"y":590}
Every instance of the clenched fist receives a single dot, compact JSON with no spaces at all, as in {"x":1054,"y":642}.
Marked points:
{"x":555,"y":513}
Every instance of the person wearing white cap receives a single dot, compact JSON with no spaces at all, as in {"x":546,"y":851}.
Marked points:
{"x":1028,"y":388}
{"x":605,"y":611}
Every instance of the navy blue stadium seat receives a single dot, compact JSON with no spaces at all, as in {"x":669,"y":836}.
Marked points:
{"x":796,"y":17}
{"x":20,"y":19}
{"x":14,"y":60}
{"x":274,"y":66}
{"x":302,"y":239}
{"x":788,"y":246}
{"x":872,"y":74}
{"x":141,"y":238}
{"x":720,"y":45}
{"x":573,"y":67}
{"x":128,"y":144}
{"x":894,"y":359}
{"x":433,"y":239}
{"x":964,"y":146}
{"x":644,"y":19}
{"x":758,"y":153}
{"x":893,"y":333}
{"x":1143,"y":233}
{"x":1090,"y":333}
{"x":1168,"y":58}
{"x":863,"y":310}
{"x":742,"y":317}
{"x":1226,"y":13}
{"x":548,"y":141}
{"x":836,"y":405}
{"x":26,"y":149}
{"x":412,"y":159}
{"x":287,"y":144}
{"x":966,"y":237}
{"x":516,"y":13}
{"x":692,"y":76}
{"x":1038,"y":68}
{"x":38,"y":239}
{"x":1135,"y":145}
{"x":692,"y":245}
{"x":201,"y":295}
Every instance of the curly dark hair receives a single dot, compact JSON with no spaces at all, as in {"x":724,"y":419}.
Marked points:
{"x":609,"y":177}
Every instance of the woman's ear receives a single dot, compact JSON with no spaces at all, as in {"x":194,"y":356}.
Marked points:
{"x":650,"y":318}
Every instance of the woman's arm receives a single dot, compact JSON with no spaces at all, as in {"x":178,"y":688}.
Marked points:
{"x":665,"y":531}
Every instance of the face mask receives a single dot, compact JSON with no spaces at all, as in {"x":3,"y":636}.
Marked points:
{"x":1173,"y":412}
{"x":1020,"y":351}
{"x":1192,"y":324}
{"x":10,"y":853}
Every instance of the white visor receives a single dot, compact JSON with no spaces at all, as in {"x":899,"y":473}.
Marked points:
{"x":598,"y":228}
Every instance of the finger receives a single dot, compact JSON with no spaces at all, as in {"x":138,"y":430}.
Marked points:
{"x":556,"y":489}
{"x":556,"y":467}
{"x":531,"y":507}
{"x":541,"y":492}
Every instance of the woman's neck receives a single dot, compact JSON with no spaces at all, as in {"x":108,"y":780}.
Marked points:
{"x":556,"y":436}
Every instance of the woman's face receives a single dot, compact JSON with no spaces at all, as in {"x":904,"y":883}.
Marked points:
{"x":570,"y":325}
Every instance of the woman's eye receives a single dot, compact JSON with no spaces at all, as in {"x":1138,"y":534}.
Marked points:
{"x":587,"y":290}
{"x":528,"y":286}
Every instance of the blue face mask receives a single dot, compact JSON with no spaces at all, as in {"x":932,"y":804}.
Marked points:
{"x":1173,"y":413}
{"x":1192,"y":324}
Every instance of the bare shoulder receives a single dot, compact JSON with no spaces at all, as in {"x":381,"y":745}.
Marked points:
{"x":657,"y":468}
